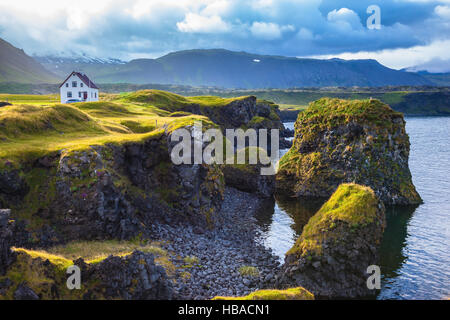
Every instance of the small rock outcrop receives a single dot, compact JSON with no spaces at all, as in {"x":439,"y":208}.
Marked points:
{"x":248,"y":177}
{"x":44,"y":277}
{"x":133,"y":277}
{"x":341,"y":141}
{"x":338,"y":244}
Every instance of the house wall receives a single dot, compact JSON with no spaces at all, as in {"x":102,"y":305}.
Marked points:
{"x":92,"y":94}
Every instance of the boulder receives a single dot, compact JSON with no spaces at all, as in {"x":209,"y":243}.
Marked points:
{"x":44,"y":276}
{"x":23,"y":292}
{"x":337,"y":245}
{"x":341,"y":141}
{"x":247,"y":177}
{"x":133,"y":277}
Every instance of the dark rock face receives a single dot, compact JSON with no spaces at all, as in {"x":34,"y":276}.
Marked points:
{"x":134,"y":277}
{"x":11,"y":184}
{"x":337,"y":245}
{"x":245,"y":113}
{"x":4,"y":104}
{"x":340,"y":141}
{"x":6,"y":235}
{"x":248,"y":178}
{"x":25,"y":293}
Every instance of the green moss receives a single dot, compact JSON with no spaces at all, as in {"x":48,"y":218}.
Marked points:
{"x":298,"y":293}
{"x":191,"y":261}
{"x":249,"y":271}
{"x":352,"y":204}
{"x":327,"y":113}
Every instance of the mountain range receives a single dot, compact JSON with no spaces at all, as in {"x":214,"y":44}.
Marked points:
{"x":214,"y":67}
{"x":228,"y":69}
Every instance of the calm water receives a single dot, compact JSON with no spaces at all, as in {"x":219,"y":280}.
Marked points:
{"x":415,"y":254}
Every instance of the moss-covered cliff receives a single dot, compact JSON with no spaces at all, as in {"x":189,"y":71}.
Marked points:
{"x":338,"y":141}
{"x":331,"y":256}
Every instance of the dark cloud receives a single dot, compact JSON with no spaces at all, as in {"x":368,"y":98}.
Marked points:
{"x":130,"y":29}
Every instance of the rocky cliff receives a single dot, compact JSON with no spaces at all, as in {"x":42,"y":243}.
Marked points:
{"x":338,"y":244}
{"x":35,"y":275}
{"x":338,"y":141}
{"x":109,"y":191}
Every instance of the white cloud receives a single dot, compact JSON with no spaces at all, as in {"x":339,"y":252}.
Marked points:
{"x":404,"y":57}
{"x":195,"y":23}
{"x":443,"y":11}
{"x":344,"y":18}
{"x":269,"y":30}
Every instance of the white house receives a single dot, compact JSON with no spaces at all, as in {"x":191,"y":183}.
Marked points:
{"x":78,"y":86}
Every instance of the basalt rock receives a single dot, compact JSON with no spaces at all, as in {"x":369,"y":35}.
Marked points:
{"x":134,"y":277}
{"x":43,"y":276}
{"x":113,"y":191}
{"x":338,"y":141}
{"x":338,"y":244}
{"x":6,"y":236}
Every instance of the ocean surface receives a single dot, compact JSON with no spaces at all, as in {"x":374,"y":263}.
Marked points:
{"x":415,"y":253}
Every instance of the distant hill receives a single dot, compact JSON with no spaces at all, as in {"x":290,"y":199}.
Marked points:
{"x":16,"y":66}
{"x":230,"y":69}
{"x":439,"y":79}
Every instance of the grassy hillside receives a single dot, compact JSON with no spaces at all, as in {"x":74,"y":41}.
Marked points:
{"x":409,"y":100}
{"x":17,"y":66}
{"x":36,"y":125}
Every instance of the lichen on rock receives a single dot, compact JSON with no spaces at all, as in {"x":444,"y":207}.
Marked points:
{"x":341,"y":141}
{"x":338,"y":244}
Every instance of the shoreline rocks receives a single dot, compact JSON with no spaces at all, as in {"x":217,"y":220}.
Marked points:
{"x":338,"y":244}
{"x":342,"y":141}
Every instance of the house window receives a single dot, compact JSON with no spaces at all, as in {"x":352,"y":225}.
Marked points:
{"x":69,"y":94}
{"x":95,"y":95}
{"x":74,"y":84}
{"x":67,"y":85}
{"x":79,"y":94}
{"x":81,"y":84}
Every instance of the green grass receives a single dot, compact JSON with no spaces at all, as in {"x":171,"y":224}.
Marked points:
{"x":292,"y":107}
{"x":30,"y":98}
{"x":35,"y":125}
{"x":249,"y":271}
{"x":298,"y":293}
{"x":95,"y":251}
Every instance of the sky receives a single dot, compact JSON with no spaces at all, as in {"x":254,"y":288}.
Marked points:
{"x":412,"y":32}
